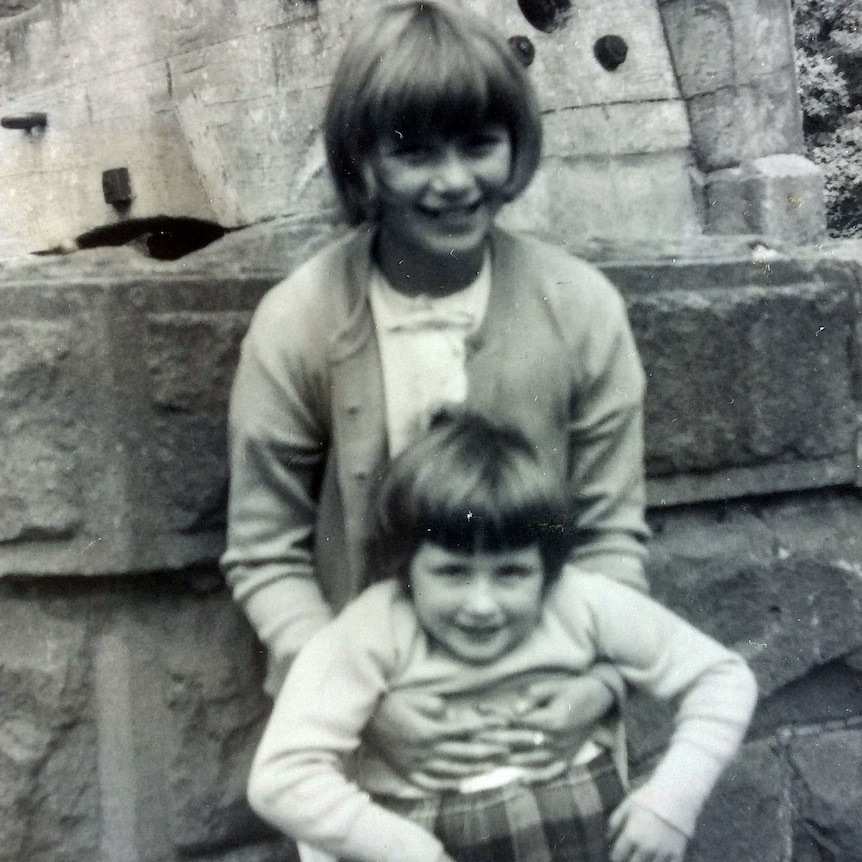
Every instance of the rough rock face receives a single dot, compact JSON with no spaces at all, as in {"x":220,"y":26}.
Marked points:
{"x":10,"y":8}
{"x":49,"y":802}
{"x":827,"y":783}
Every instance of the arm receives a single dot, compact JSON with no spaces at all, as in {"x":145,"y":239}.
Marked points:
{"x":606,"y":442}
{"x":297,"y":779}
{"x":277,"y":453}
{"x":607,"y":480}
{"x":661,"y":653}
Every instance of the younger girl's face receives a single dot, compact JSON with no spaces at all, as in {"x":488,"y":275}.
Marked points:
{"x":438,"y":195}
{"x":477,"y":606}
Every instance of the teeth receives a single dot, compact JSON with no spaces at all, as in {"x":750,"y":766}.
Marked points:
{"x":454,"y":211}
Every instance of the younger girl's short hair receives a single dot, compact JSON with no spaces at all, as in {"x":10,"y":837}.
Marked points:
{"x":420,"y":67}
{"x":468,"y":485}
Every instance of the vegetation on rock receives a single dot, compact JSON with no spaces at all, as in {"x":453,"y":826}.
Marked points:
{"x":829,"y":62}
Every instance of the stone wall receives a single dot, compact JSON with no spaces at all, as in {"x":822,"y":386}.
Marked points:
{"x":131,"y":685}
{"x":213,"y":107}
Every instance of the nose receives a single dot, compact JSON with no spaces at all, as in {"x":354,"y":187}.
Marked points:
{"x":453,"y":175}
{"x":480,"y":601}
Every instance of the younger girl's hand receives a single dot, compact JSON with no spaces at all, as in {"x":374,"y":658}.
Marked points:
{"x":638,"y":835}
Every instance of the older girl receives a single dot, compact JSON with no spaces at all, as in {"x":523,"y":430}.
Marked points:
{"x":432,"y":126}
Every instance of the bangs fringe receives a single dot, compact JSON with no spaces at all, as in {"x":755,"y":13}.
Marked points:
{"x":442,"y":83}
{"x":495,"y":513}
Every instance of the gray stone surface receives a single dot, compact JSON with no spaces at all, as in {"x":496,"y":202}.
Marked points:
{"x":787,"y":617}
{"x":49,"y":805}
{"x":830,"y":694}
{"x":39,"y":497}
{"x":828,"y":796}
{"x":748,"y":817}
{"x":214,"y":707}
{"x":778,"y":196}
{"x":192,"y":356}
{"x":736,"y":69}
{"x":141,"y":400}
{"x":753,"y":405}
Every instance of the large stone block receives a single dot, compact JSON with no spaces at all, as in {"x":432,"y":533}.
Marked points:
{"x":746,"y":122}
{"x":780,"y":196}
{"x":39,"y":494}
{"x":780,"y":579}
{"x":736,"y":69}
{"x":827,"y":796}
{"x":827,"y":695}
{"x":211,"y":679}
{"x":720,"y":44}
{"x":756,"y":404}
{"x":748,"y":816}
{"x":49,"y":805}
{"x":788,"y":617}
{"x":114,"y":374}
{"x":572,"y":200}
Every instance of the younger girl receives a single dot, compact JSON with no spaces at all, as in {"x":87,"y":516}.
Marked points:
{"x":471,"y":528}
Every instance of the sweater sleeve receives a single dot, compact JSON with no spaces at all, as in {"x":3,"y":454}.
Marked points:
{"x":606,"y":451}
{"x":659,"y":652}
{"x":297,"y":780}
{"x":277,"y":454}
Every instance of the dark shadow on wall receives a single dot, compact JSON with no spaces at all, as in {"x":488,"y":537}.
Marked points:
{"x":159,"y":237}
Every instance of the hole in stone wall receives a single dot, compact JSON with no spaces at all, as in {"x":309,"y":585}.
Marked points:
{"x":11,"y":8}
{"x":523,"y":49}
{"x":611,"y":51}
{"x":546,"y":15}
{"x":159,"y":237}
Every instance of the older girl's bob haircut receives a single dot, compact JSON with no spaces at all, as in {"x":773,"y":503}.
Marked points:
{"x":468,"y":485}
{"x":417,"y":68}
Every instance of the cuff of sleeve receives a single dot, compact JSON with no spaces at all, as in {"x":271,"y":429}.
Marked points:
{"x":385,"y":837}
{"x":680,"y":785}
{"x":285,"y":616}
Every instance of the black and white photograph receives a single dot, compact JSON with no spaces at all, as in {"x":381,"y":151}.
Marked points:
{"x":431,"y":431}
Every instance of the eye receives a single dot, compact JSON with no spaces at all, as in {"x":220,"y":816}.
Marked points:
{"x":514,"y":572}
{"x":484,"y":141}
{"x":450,"y":570}
{"x":413,"y":151}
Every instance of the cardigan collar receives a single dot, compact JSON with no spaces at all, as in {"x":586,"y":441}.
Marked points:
{"x":358,"y":324}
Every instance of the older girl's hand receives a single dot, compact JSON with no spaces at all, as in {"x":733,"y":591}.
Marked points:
{"x":436,"y":747}
{"x":564,"y":711}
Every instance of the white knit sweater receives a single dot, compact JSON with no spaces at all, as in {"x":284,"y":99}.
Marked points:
{"x":376,"y":645}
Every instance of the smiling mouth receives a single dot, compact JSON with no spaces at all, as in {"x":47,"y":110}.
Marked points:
{"x":479,"y":634}
{"x":452,"y":213}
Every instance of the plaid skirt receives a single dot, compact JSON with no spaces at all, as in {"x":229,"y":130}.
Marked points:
{"x":564,"y":820}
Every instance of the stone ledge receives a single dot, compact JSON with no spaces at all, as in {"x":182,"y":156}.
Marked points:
{"x":119,"y":374}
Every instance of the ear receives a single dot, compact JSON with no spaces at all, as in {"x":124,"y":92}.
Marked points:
{"x":369,"y":180}
{"x":371,"y":186}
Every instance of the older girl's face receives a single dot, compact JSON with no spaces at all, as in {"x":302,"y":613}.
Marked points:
{"x":437,"y":195}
